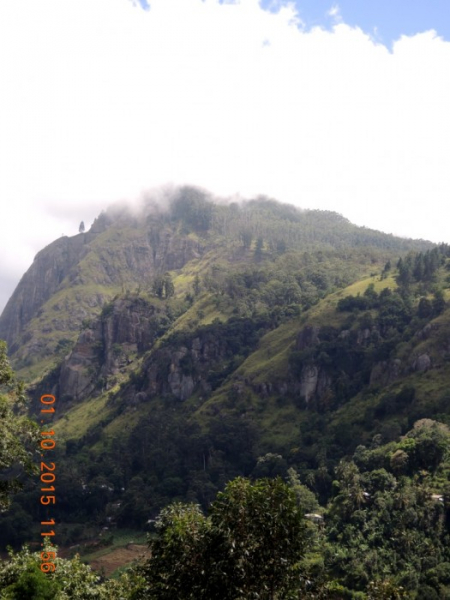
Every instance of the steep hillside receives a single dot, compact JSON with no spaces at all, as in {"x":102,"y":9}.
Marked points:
{"x":73,"y":278}
{"x":204,"y":404}
{"x":191,"y":345}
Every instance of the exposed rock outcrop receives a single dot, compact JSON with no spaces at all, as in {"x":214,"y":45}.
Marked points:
{"x":51,"y":265}
{"x":77,"y":378}
{"x":427,"y":331}
{"x":130,"y":326}
{"x":422,"y":363}
{"x":119,"y":252}
{"x":179,"y":373}
{"x":314,"y":381}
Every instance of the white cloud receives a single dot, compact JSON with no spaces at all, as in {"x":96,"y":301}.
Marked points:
{"x":335,"y":12}
{"x":101,"y":100}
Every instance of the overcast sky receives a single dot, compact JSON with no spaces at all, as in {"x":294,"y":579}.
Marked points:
{"x":340,"y":106}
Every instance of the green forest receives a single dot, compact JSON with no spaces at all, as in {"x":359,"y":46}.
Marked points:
{"x":258,"y":394}
{"x":383,"y":533}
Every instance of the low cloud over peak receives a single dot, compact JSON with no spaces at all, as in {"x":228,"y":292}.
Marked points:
{"x":101,"y":100}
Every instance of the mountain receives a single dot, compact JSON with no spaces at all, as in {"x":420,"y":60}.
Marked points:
{"x":195,"y":342}
{"x":71,"y":279}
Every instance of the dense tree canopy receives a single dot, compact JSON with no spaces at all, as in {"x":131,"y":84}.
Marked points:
{"x":250,"y":546}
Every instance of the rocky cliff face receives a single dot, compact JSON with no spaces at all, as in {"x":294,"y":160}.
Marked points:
{"x":71,"y":279}
{"x":127,"y":327}
{"x":318,"y":375}
{"x":178,"y":373}
{"x":51,"y":265}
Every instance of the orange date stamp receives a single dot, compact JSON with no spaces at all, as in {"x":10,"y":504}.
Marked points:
{"x":47,"y":480}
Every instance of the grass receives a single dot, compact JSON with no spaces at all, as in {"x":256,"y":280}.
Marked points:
{"x":121,"y":537}
{"x":324,"y":313}
{"x":78,"y":420}
{"x":128,"y":546}
{"x":34,"y":373}
{"x":122,"y":426}
{"x":191,"y":318}
{"x":269,"y":361}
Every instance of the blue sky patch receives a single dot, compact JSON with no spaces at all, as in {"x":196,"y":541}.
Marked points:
{"x":385,"y":20}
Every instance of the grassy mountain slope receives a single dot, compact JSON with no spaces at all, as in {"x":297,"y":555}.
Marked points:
{"x":70,"y":280}
{"x":247,"y":412}
{"x":191,"y":345}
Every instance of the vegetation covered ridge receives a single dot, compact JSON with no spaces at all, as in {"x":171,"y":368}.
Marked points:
{"x":187,"y":235}
{"x":224,"y":345}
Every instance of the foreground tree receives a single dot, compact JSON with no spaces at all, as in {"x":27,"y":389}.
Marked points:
{"x":264,"y":534}
{"x":20,"y":435}
{"x":21,"y":578}
{"x":250,"y":546}
{"x":180,"y":565}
